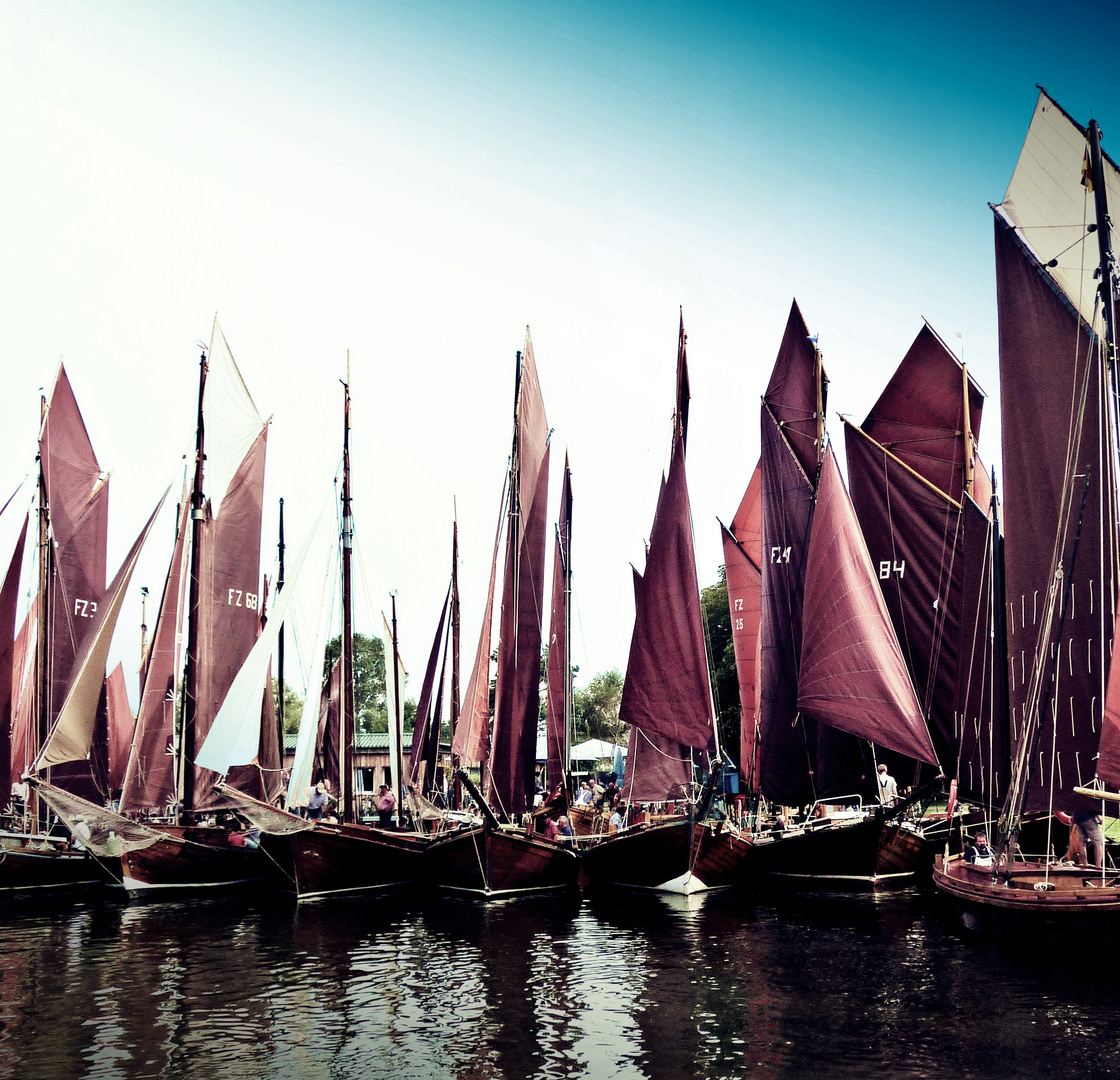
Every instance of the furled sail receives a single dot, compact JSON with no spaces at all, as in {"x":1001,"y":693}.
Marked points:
{"x":1060,"y":482}
{"x":742,"y":556}
{"x":149,"y":782}
{"x":853,"y":676}
{"x":517,"y":686}
{"x":23,"y":743}
{"x":559,"y":670}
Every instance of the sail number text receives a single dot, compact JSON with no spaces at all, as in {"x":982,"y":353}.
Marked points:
{"x":240,"y":598}
{"x":85,"y":609}
{"x":887,"y":570}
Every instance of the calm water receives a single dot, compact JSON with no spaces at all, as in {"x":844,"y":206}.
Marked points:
{"x":832,"y":985}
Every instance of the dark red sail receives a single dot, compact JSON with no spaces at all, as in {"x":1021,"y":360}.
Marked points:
{"x":77,"y":497}
{"x":9,"y":596}
{"x":471,"y":742}
{"x":149,"y":782}
{"x":797,"y":393}
{"x":556,"y":710}
{"x":657,"y":769}
{"x":983,"y":762}
{"x":667,"y":691}
{"x":742,"y":555}
{"x":923,"y":418}
{"x":228,"y":619}
{"x":1059,"y":485}
{"x":121,"y":725}
{"x":329,"y":736}
{"x":517,"y":692}
{"x":23,"y":742}
{"x":787,"y":758}
{"x":420,"y":731}
{"x":853,"y":676}
{"x":915,"y":537}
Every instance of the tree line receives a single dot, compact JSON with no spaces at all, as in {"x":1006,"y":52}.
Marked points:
{"x":595,"y":707}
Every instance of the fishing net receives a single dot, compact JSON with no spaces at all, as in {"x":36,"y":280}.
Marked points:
{"x":269,"y":819}
{"x":98,"y":829}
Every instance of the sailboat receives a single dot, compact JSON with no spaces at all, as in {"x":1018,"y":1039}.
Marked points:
{"x":40,"y":663}
{"x":338,"y":853}
{"x":667,"y":701}
{"x":833,"y":684}
{"x":927,"y":510}
{"x":499,"y":857}
{"x":1055,"y":287}
{"x":167,"y":836}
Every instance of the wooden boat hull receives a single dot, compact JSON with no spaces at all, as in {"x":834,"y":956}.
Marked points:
{"x":192,"y":858}
{"x":659,"y":857}
{"x":27,"y":864}
{"x":499,"y":863}
{"x":866,"y":853}
{"x":1071,"y":901}
{"x":331,"y":858}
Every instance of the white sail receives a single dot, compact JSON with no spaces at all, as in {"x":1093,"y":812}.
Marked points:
{"x":72,"y":735}
{"x":234,"y":737}
{"x":303,"y":764}
{"x":1053,"y":208}
{"x":231,"y":419}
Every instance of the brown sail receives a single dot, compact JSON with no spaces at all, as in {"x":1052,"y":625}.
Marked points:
{"x":742,"y":556}
{"x":228,"y":616}
{"x":516,"y":695}
{"x":853,"y":676}
{"x":121,"y":725}
{"x":559,"y":669}
{"x":149,"y":782}
{"x":9,"y":596}
{"x":422,"y":728}
{"x":667,"y":692}
{"x":1059,"y":484}
{"x":471,"y":742}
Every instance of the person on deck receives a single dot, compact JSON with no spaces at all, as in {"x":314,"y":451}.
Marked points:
{"x":1087,"y":826}
{"x":583,"y":797}
{"x":978,"y":853}
{"x":386,"y":804}
{"x":618,"y":819}
{"x":566,"y":832}
{"x":318,"y":800}
{"x":888,"y":788}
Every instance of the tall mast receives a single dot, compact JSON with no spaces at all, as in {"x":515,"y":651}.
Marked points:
{"x":43,"y":673}
{"x":1104,"y":242}
{"x":399,"y":763}
{"x":188,"y":750}
{"x":346,"y":749}
{"x":454,"y":718}
{"x":280,"y":642}
{"x":566,"y":547}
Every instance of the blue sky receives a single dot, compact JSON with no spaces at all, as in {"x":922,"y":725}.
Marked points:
{"x":416,"y":182}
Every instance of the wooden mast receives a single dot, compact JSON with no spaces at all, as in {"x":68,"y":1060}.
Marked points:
{"x":42,"y":663}
{"x":398,"y":726}
{"x":280,"y":642}
{"x":454,"y":717}
{"x":188,"y":750}
{"x":346,"y":749}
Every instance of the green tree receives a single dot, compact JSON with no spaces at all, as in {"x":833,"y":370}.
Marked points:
{"x":595,"y":709}
{"x":725,"y":678}
{"x":370,"y":709}
{"x":293,"y":706}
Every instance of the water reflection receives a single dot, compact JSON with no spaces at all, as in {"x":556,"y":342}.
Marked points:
{"x":619,"y":985}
